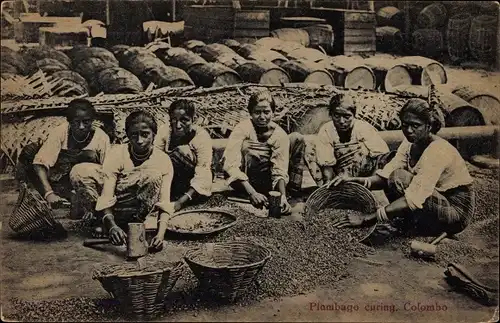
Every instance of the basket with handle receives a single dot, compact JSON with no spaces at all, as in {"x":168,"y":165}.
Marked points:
{"x":227,"y":269}
{"x":347,"y":195}
{"x":32,"y":213}
{"x":140,"y":290}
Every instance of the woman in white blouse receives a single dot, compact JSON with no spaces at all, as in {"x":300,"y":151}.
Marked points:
{"x":256,"y":157}
{"x":134,"y":181}
{"x":349,"y":146}
{"x":190,"y":150}
{"x":49,"y":168}
{"x":427,"y":182}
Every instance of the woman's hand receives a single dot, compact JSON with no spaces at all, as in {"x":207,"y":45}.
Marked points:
{"x":258,"y":200}
{"x":354,"y":220}
{"x":55,"y":200}
{"x":117,"y":236}
{"x":177,"y":205}
{"x":342,"y":179}
{"x":286,"y":208}
{"x":157,"y":242}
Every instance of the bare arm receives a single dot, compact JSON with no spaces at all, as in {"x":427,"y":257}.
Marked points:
{"x":328,"y":173}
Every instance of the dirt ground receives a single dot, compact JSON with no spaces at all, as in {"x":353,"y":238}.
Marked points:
{"x":387,"y":287}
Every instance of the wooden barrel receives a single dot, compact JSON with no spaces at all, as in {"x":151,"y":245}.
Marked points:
{"x":350,"y":73}
{"x":261,"y":72}
{"x":424,"y":71}
{"x":307,"y":72}
{"x":391,"y":17}
{"x":231,"y":43}
{"x":213,"y":75}
{"x":268,"y":42}
{"x":299,"y":36}
{"x":305,"y":53}
{"x":257,"y":53}
{"x":321,"y":36}
{"x":233,"y":61}
{"x":389,"y":39}
{"x":428,"y":42}
{"x":388,"y":73}
{"x":432,"y":16}
{"x":459,"y":113}
{"x":487,"y":103}
{"x":457,"y":36}
{"x":182,"y":58}
{"x":300,"y":22}
{"x":212,"y":51}
{"x":482,"y":38}
{"x":193,"y":45}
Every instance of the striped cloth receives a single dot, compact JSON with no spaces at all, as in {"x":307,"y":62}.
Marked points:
{"x":449,"y":211}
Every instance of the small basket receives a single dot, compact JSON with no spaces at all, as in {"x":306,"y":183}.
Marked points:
{"x":32,"y":213}
{"x":347,"y":195}
{"x":139,"y":291}
{"x":226,"y":270}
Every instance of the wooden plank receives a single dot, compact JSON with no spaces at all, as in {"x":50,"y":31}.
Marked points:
{"x":359,"y":25}
{"x":360,"y":17}
{"x":359,"y":47}
{"x":359,"y":32}
{"x":252,"y":15}
{"x":250,"y":33}
{"x":359,"y":40}
{"x":251,"y":24}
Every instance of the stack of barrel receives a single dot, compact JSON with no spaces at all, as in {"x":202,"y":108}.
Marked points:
{"x":428,"y":40}
{"x":390,"y":22}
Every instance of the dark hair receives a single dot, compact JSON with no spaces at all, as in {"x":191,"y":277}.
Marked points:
{"x":80,"y":105}
{"x":141,"y":116}
{"x":183,"y":104}
{"x":425,"y":112}
{"x":337,"y":100}
{"x":258,"y":97}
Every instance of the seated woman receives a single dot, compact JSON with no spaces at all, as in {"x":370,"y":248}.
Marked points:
{"x":190,"y":149}
{"x":134,"y":181}
{"x":347,"y":145}
{"x":427,"y":183}
{"x":257,"y":154}
{"x":49,"y":167}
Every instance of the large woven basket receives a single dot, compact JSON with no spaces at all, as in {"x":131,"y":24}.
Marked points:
{"x":226,"y":270}
{"x":344,"y":196}
{"x":32,"y":213}
{"x":139,"y":291}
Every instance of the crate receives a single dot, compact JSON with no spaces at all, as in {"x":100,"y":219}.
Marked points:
{"x":63,"y":36}
{"x":212,"y":23}
{"x":359,"y":34}
{"x":26,"y":30}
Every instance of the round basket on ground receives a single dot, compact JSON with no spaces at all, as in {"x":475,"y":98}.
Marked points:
{"x":32,"y":215}
{"x":118,"y":80}
{"x":140,"y":291}
{"x":193,"y":45}
{"x":182,"y":58}
{"x":32,"y":55}
{"x":118,"y":50}
{"x":231,"y":43}
{"x":50,"y":65}
{"x":457,"y":36}
{"x":351,"y":196}
{"x":14,"y":59}
{"x":6,"y":68}
{"x":200,"y":223}
{"x":227,"y":270}
{"x":213,"y":75}
{"x":482,"y":38}
{"x":71,"y":76}
{"x":82,"y":53}
{"x":165,"y":76}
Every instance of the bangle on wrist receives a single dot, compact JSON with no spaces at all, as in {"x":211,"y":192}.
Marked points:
{"x":382,"y":215}
{"x":188,"y":196}
{"x":47,"y":194}
{"x":114,"y":226}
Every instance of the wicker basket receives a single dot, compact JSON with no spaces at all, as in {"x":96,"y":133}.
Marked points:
{"x":139,"y":291}
{"x":344,"y":196}
{"x":32,"y":213}
{"x":226,"y":270}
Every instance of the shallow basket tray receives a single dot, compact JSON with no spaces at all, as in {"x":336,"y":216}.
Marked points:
{"x":230,"y":218}
{"x":139,"y":291}
{"x":226,"y":270}
{"x":31,"y":213}
{"x":347,"y":195}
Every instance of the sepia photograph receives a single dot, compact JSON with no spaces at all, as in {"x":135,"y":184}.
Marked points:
{"x":249,"y":161}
